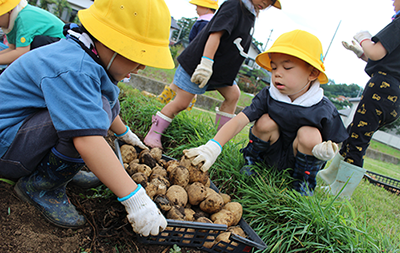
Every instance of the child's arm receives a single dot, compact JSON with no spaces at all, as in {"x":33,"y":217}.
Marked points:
{"x":125,"y":134}
{"x":209,"y":152}
{"x":143,"y":214}
{"x":7,"y":56}
{"x":374,"y":51}
{"x":204,"y":70}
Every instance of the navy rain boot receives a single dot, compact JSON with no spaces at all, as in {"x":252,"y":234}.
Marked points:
{"x":251,"y":153}
{"x":45,"y":189}
{"x":85,"y":180}
{"x":304,"y":174}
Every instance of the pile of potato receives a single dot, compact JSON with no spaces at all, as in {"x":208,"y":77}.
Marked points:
{"x":182,"y":191}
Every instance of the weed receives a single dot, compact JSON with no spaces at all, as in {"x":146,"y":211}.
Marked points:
{"x":175,"y":249}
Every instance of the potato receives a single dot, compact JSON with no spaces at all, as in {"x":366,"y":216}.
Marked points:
{"x":146,"y":158}
{"x":171,"y":165}
{"x":237,"y":230}
{"x":162,"y":202}
{"x":156,"y":153}
{"x":237,"y":210}
{"x":161,"y":186}
{"x":204,"y":220}
{"x":176,"y":213}
{"x":195,"y":174}
{"x":161,"y":178}
{"x":163,"y":163}
{"x":140,"y":178}
{"x":189,"y":214}
{"x":179,"y":176}
{"x":135,"y":167}
{"x":196,"y":193}
{"x":223,"y":217}
{"x":158,"y":170}
{"x":225,"y":197}
{"x":151,"y":190}
{"x":224,"y":237}
{"x":212,"y":204}
{"x":128,"y":153}
{"x":177,"y":195}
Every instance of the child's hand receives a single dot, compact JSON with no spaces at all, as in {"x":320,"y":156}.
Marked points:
{"x":143,"y":214}
{"x":203,"y":72}
{"x":325,"y":150}
{"x":207,"y":153}
{"x":361,"y":36}
{"x":131,"y":138}
{"x":355,"y":47}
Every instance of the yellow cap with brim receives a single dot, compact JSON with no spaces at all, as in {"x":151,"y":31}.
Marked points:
{"x":277,"y":4}
{"x":212,"y":4}
{"x":300,"y":44}
{"x":136,"y":29}
{"x":7,"y":5}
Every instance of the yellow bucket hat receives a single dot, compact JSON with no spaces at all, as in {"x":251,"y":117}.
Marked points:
{"x":212,"y":4}
{"x":300,"y":44}
{"x":277,"y":4}
{"x":136,"y":29}
{"x":7,"y":5}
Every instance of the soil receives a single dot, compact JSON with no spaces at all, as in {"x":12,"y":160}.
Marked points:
{"x":24,"y":229}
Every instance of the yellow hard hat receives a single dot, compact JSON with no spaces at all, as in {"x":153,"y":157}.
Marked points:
{"x":136,"y":29}
{"x":212,"y":4}
{"x":300,"y":44}
{"x":277,"y":4}
{"x":7,"y":5}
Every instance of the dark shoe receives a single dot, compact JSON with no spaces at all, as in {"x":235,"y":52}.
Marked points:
{"x":85,"y":180}
{"x":45,"y":189}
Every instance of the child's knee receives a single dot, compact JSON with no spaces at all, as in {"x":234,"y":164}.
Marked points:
{"x":308,"y":137}
{"x":265,"y":124}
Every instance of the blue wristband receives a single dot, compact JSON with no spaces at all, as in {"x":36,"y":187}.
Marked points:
{"x":208,"y":58}
{"x":119,"y":135}
{"x":217,"y":143}
{"x":130,"y":195}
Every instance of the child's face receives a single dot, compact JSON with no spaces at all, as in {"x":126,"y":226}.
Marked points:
{"x":121,"y":67}
{"x":290,"y":75}
{"x":202,"y":10}
{"x":4,"y":20}
{"x":396,"y":4}
{"x":261,"y":4}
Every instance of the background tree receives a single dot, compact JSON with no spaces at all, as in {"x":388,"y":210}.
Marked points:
{"x":186,"y":25}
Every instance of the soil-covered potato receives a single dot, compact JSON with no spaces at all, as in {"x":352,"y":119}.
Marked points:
{"x":158,"y":170}
{"x":196,"y":193}
{"x":212,"y":204}
{"x":128,"y":153}
{"x":161,"y":185}
{"x":162,"y":202}
{"x":189,"y":214}
{"x":143,"y":168}
{"x":156,"y":153}
{"x":195,"y":174}
{"x":179,"y":176}
{"x":225,"y":197}
{"x":146,"y":158}
{"x":237,"y":210}
{"x":163,"y":163}
{"x":171,"y":165}
{"x":237,"y":230}
{"x":176,"y":213}
{"x":204,"y":220}
{"x":199,"y":213}
{"x":140,"y":178}
{"x":223,"y":217}
{"x":177,"y":195}
{"x":225,"y":238}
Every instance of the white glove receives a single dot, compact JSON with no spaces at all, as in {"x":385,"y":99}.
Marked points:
{"x":143,"y":213}
{"x":207,"y":153}
{"x":325,"y":150}
{"x":131,"y":138}
{"x":355,"y":47}
{"x":203,"y":72}
{"x":361,"y":36}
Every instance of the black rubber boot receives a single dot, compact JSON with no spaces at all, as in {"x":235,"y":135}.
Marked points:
{"x":45,"y":189}
{"x":305,"y":172}
{"x":251,"y":153}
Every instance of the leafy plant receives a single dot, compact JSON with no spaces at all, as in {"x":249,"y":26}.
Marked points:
{"x":175,"y":249}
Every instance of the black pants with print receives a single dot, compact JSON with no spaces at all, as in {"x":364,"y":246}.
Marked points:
{"x":378,"y":107}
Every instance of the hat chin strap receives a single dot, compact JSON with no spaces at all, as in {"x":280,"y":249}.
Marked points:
{"x":111,"y":61}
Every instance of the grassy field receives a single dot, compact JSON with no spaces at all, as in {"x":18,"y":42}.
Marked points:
{"x":286,"y":222}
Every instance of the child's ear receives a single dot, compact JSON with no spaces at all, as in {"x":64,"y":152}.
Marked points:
{"x":314,"y":74}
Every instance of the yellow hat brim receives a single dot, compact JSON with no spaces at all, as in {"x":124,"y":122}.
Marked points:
{"x":156,"y":55}
{"x":203,"y":3}
{"x":8,"y":6}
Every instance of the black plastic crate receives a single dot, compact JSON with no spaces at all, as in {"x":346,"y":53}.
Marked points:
{"x":196,"y":234}
{"x":390,"y":184}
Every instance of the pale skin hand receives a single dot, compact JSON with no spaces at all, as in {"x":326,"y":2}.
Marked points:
{"x":7,"y":56}
{"x":102,"y":161}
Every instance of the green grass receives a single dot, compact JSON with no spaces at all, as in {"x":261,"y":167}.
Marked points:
{"x":284,"y":220}
{"x":384,"y":149}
